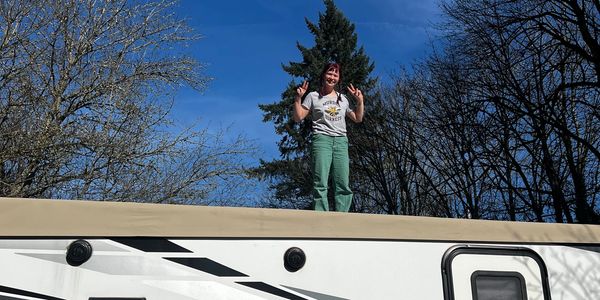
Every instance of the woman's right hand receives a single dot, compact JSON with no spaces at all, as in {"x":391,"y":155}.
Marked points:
{"x":302,"y":89}
{"x":300,"y":112}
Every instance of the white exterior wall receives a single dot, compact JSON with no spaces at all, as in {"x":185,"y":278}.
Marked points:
{"x":334,"y":269}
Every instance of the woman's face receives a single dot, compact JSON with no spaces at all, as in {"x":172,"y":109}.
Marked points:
{"x":331,"y":77}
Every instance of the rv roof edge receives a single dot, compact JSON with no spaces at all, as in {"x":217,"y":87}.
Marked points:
{"x":73,"y":218}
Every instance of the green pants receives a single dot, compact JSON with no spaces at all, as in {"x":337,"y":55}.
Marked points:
{"x":330,"y":153}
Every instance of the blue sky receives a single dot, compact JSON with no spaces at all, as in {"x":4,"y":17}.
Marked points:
{"x":244,"y":43}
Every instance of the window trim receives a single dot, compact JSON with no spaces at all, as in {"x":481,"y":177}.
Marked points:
{"x":453,"y":252}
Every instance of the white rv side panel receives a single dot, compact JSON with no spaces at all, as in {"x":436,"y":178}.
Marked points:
{"x":333,"y":270}
{"x":254,"y":269}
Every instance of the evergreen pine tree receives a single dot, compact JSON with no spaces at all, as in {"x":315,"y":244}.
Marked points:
{"x":335,"y":41}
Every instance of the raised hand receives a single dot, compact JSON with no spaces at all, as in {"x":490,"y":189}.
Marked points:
{"x":302,"y":89}
{"x":356,"y":93}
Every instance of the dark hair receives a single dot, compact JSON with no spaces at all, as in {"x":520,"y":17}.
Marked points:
{"x":329,"y":66}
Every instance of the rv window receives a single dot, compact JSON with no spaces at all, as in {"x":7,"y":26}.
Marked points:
{"x":492,"y":285}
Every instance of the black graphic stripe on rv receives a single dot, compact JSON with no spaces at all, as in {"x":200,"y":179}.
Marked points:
{"x":261,"y":286}
{"x":113,"y":298}
{"x":151,"y":244}
{"x":591,"y":248}
{"x":313,"y":294}
{"x":13,"y":291}
{"x":207,"y":265}
{"x":2,"y":297}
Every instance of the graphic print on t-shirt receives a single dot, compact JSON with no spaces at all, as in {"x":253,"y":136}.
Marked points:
{"x":332,"y":111}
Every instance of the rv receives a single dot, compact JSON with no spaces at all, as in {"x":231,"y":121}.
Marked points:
{"x":96,"y":250}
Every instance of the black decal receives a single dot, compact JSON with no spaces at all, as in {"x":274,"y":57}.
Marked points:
{"x":151,"y":244}
{"x":2,"y":297}
{"x":313,"y":294}
{"x":593,"y":248}
{"x":206,"y":265}
{"x":261,"y":286}
{"x":113,"y":298}
{"x":9,"y":290}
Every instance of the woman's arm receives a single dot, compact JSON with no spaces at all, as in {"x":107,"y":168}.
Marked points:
{"x":300,"y":112}
{"x":357,"y":115}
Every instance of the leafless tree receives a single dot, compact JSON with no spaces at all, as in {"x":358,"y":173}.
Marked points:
{"x":536,"y":71}
{"x":502,"y":123}
{"x":86,"y":88}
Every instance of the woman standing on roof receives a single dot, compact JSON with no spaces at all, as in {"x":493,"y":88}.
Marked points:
{"x":329,"y":110}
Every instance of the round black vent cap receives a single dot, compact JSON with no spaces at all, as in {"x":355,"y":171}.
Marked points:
{"x":294,"y":259}
{"x":78,"y":252}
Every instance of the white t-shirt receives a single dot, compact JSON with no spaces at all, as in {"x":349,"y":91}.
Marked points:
{"x":328,"y":114}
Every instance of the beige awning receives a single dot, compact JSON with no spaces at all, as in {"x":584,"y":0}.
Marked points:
{"x":70,"y":218}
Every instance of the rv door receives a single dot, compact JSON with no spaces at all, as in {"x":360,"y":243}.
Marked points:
{"x":494,"y":273}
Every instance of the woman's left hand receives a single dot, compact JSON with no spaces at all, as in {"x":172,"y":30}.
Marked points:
{"x":356,"y":93}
